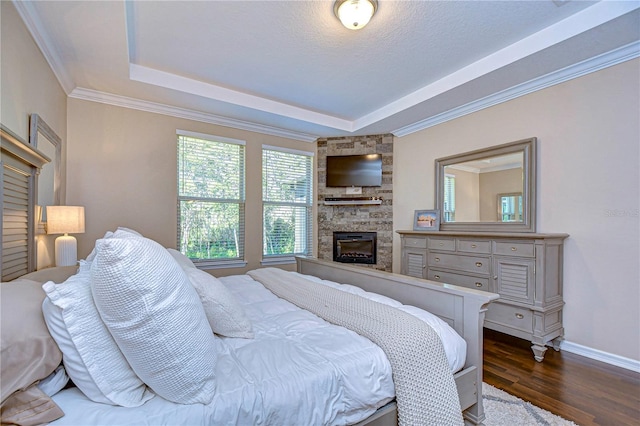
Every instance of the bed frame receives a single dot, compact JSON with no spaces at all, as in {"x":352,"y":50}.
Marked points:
{"x":462,"y":308}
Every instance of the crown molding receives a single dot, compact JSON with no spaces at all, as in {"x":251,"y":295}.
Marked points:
{"x":212,"y":91}
{"x":34,"y":25}
{"x":617,"y":56}
{"x":590,"y":17}
{"x":597,"y":63}
{"x":157,"y":108}
{"x":576,"y":24}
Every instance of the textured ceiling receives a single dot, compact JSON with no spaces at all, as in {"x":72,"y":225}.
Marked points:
{"x":290,"y":68}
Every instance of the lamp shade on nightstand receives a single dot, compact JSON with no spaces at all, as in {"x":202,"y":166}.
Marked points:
{"x":65,"y":220}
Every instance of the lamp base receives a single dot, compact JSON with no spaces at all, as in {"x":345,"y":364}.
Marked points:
{"x":66,"y":250}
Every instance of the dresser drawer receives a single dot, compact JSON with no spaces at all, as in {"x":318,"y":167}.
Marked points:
{"x":446,"y":244}
{"x":476,"y":283}
{"x":474,"y":264}
{"x":509,"y":248}
{"x":471,"y":246}
{"x":415,"y":242}
{"x":510,"y":316}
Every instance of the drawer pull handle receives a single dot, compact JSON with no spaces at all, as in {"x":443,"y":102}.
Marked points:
{"x":473,"y":246}
{"x":519,"y":316}
{"x":514,"y":248}
{"x":479,"y":264}
{"x":478,"y":284}
{"x":436,"y":277}
{"x":441,"y":244}
{"x":437,"y":259}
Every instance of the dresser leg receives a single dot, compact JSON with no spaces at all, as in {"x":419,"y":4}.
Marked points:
{"x":557,"y":342}
{"x":538,"y":352}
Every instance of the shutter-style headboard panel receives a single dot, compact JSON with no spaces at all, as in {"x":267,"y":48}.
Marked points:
{"x":20,"y":166}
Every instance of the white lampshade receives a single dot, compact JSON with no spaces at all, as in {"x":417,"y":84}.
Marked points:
{"x":355,"y":14}
{"x":65,"y":220}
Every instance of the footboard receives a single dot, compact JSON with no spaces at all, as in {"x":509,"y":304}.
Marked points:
{"x":463,"y":309}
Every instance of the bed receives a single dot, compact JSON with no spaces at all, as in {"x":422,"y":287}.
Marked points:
{"x":289,"y":366}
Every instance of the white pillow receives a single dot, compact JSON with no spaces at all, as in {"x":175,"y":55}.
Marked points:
{"x":120,"y":232}
{"x":184,"y":262}
{"x":90,"y":355}
{"x":225,"y":315}
{"x":155,"y":317}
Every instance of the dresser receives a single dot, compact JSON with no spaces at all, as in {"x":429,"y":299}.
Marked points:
{"x":525,"y":269}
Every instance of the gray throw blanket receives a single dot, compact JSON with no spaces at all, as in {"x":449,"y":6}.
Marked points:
{"x":426,"y":393}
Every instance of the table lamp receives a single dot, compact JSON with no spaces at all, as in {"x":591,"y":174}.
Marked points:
{"x":65,"y":220}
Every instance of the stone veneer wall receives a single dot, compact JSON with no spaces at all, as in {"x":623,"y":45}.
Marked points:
{"x":357,"y":218}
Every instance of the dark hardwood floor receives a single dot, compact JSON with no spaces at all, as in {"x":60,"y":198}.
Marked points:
{"x":579,"y":389}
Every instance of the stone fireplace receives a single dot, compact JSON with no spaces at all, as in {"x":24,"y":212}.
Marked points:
{"x":357,"y":217}
{"x":355,"y":247}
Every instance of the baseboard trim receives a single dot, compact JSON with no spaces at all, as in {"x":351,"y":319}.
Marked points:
{"x":598,"y":355}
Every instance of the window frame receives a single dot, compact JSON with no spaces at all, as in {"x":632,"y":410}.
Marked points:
{"x":215,"y":263}
{"x":277,"y":259}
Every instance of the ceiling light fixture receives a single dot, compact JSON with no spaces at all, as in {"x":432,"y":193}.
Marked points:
{"x":355,"y":14}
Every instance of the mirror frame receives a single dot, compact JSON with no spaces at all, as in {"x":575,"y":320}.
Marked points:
{"x":528,"y":149}
{"x":37,"y":126}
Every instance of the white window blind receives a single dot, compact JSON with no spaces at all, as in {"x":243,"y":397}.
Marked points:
{"x":211,"y":197}
{"x":449,"y":214}
{"x":287,"y":196}
{"x":15,"y":217}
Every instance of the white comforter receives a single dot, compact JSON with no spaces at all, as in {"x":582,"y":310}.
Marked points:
{"x":298,"y":370}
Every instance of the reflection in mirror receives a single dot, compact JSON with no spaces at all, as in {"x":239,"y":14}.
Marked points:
{"x":45,"y":140}
{"x":510,"y":207}
{"x":473,"y":186}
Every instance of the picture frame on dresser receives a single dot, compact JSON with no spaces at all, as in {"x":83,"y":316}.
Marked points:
{"x":426,"y":220}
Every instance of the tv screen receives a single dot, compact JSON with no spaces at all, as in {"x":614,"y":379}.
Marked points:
{"x":354,"y":170}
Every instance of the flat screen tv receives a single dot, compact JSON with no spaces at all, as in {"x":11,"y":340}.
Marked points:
{"x":354,"y":170}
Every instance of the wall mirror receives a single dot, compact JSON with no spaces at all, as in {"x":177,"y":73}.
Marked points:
{"x":45,"y":140}
{"x":492,"y":189}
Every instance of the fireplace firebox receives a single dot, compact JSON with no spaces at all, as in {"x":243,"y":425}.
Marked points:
{"x":354,"y":247}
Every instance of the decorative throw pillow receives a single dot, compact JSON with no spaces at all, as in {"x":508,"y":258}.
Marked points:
{"x":225,"y":315}
{"x":29,"y":353}
{"x":156,"y":318}
{"x":90,"y":355}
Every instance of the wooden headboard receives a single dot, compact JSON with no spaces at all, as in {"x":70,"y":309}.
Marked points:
{"x":21,"y":164}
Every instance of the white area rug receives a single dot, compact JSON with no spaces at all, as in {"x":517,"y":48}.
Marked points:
{"x":503,"y":409}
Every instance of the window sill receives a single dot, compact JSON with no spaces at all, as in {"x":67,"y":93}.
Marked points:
{"x":284,"y":260}
{"x":225,"y":264}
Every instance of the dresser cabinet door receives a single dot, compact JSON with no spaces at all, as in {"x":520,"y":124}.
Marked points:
{"x":414,"y":262}
{"x":514,"y":278}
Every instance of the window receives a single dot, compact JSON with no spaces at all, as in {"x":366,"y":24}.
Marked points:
{"x":211,"y":195}
{"x":449,"y":214}
{"x":287,"y":195}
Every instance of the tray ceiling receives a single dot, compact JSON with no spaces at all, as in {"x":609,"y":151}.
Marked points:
{"x":291,"y":68}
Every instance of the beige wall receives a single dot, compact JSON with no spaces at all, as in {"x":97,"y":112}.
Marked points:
{"x":588,"y":132}
{"x":29,"y":87}
{"x":122,"y":168}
